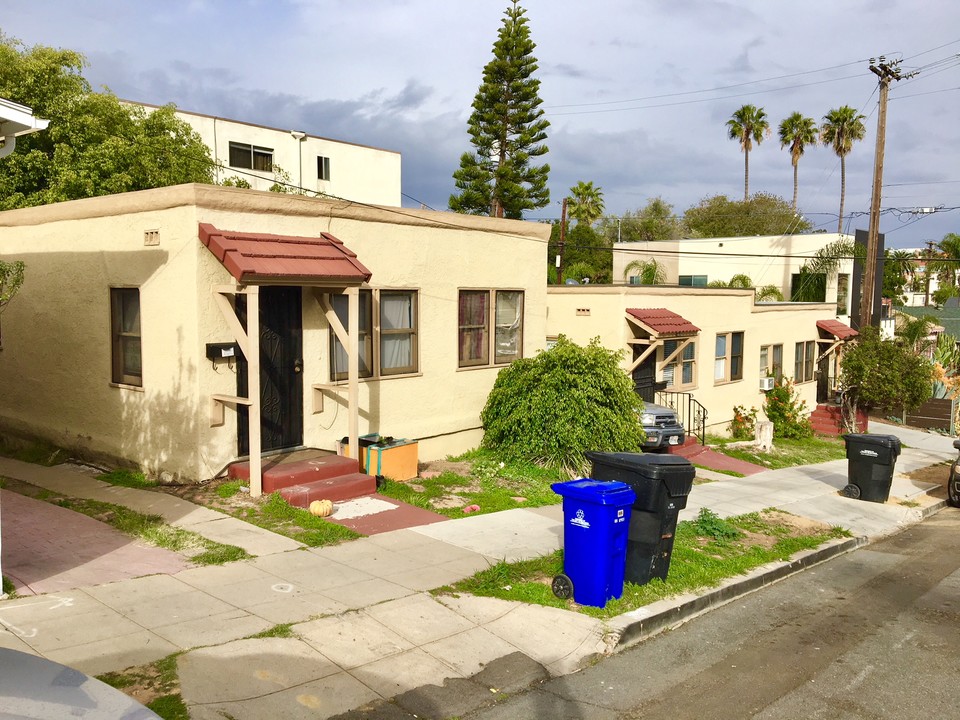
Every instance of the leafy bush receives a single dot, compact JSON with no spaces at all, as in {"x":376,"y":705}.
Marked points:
{"x":787,"y":412}
{"x":878,"y":373}
{"x":744,"y":423}
{"x":710,"y":525}
{"x":553,"y":408}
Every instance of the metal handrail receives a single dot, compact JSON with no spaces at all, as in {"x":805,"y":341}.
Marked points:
{"x":691,"y":414}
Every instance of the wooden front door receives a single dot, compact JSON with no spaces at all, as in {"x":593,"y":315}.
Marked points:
{"x":281,"y":371}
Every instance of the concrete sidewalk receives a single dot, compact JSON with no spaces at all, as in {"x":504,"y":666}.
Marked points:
{"x":364,"y":628}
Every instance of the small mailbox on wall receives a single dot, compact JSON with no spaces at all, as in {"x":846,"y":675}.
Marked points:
{"x":222,"y":351}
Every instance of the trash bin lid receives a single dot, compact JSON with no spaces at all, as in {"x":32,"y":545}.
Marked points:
{"x":596,"y":491}
{"x":891,"y":442}
{"x":651,"y":466}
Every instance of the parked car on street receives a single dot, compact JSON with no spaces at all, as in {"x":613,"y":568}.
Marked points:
{"x":661,"y":426}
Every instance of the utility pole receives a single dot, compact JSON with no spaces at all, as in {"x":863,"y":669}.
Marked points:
{"x":563,"y":236}
{"x":926,"y":272}
{"x":886,"y":71}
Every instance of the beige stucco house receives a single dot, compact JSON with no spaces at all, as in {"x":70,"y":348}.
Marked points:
{"x":704,"y":349}
{"x":126,"y":340}
{"x":256,"y":153}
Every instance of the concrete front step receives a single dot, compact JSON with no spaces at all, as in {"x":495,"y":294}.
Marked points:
{"x":279,"y":474}
{"x":344,"y":487}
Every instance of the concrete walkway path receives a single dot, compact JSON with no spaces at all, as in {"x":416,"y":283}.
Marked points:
{"x":363,"y":627}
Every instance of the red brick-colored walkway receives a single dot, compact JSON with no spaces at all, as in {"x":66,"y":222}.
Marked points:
{"x":712,"y":460}
{"x":47,"y":548}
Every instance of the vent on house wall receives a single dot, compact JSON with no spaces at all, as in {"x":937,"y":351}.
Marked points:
{"x":583,"y":311}
{"x":151,"y":237}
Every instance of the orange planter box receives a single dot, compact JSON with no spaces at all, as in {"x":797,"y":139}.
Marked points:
{"x":397,"y":461}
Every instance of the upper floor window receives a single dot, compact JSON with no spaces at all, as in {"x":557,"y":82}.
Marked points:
{"x":680,"y":370}
{"x":843,"y":292}
{"x":388,"y":348}
{"x":478,"y":341}
{"x":251,"y":157}
{"x":804,"y":360}
{"x":323,"y":168}
{"x":728,"y":358}
{"x":693,"y":280}
{"x":125,"y":324}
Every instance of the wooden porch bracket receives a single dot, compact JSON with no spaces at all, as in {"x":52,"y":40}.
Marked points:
{"x":219,"y":402}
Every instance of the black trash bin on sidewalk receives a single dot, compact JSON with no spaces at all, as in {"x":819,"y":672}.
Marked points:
{"x":870,"y":463}
{"x":661,"y":484}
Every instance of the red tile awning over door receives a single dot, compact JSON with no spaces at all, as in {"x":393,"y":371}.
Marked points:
{"x":663,"y":322}
{"x":255,"y":258}
{"x":836,"y":328}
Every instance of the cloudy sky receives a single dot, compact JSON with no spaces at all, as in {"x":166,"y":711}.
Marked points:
{"x":637,"y":91}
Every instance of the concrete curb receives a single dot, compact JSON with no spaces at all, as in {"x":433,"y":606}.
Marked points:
{"x":636,"y":625}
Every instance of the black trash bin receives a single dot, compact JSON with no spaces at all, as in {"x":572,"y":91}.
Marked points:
{"x":661,"y":484}
{"x":870,"y":463}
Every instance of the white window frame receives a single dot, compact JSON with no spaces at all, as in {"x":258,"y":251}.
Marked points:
{"x":727,"y":359}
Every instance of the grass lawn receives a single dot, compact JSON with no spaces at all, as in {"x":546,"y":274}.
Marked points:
{"x":706,"y":552}
{"x":786,"y":452}
{"x":479,"y":478}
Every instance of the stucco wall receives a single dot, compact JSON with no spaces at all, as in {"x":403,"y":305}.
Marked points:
{"x":357,"y":172}
{"x":582,"y":313}
{"x":767,"y":259}
{"x":55,"y":368}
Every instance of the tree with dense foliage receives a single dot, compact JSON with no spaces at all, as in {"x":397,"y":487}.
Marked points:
{"x":94,"y":144}
{"x":796,"y":132}
{"x":763,"y":214}
{"x":898,"y":267}
{"x":507,"y":130}
{"x":569,"y":399}
{"x":841,"y":128}
{"x":654,"y":221}
{"x":586,"y":253}
{"x":748,"y":125}
{"x":914,"y":332}
{"x":878,"y":373}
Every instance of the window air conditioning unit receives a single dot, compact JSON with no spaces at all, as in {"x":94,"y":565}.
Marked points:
{"x":766,"y":383}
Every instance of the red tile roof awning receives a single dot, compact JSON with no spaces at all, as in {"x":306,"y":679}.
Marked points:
{"x":837,"y":329}
{"x":264,"y":258}
{"x":663,"y":322}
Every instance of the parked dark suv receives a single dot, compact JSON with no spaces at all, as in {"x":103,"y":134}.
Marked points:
{"x":661,"y":426}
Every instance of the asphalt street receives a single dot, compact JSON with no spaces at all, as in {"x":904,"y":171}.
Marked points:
{"x":872,"y":634}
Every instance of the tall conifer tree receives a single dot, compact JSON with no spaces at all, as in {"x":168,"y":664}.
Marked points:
{"x":507,"y":130}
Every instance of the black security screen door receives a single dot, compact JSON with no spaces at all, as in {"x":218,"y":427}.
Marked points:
{"x":281,"y":371}
{"x":645,"y":376}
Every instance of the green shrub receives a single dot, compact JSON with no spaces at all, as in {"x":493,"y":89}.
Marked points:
{"x":553,"y":408}
{"x":787,"y":412}
{"x":744,"y":423}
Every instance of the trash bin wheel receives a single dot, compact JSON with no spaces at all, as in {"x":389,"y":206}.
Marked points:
{"x":562,"y":587}
{"x":851,"y":491}
{"x":953,"y":487}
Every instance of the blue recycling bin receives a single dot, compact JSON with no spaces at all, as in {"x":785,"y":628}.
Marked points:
{"x":596,"y":521}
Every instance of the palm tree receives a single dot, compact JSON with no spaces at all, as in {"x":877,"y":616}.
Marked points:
{"x":947,"y":261}
{"x":586,"y":203}
{"x":797,"y":131}
{"x":648,"y":272}
{"x":748,"y":125}
{"x":841,"y":128}
{"x":769,"y":293}
{"x":739,"y":280}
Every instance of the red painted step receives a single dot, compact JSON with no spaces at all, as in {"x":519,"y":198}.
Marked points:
{"x":287,"y":473}
{"x":344,"y":487}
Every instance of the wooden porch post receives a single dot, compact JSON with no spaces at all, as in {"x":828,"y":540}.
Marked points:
{"x":253,"y":388}
{"x":353,"y":370}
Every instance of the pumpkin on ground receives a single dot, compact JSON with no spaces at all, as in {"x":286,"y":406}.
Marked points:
{"x":321,"y":508}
